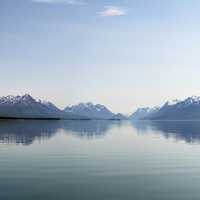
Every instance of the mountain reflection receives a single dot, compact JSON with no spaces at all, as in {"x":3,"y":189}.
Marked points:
{"x":26,"y":132}
{"x":88,"y":128}
{"x":188,"y":131}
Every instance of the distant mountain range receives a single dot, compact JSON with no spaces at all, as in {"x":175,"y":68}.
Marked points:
{"x":93,"y":111}
{"x":142,"y":113}
{"x":26,"y":107}
{"x":90,"y":110}
{"x":187,"y":109}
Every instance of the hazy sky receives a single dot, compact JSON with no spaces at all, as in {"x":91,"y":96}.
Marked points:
{"x":120,"y":53}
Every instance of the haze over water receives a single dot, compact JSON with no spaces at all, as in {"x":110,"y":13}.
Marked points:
{"x":99,"y":160}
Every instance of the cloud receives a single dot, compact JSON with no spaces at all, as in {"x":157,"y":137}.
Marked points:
{"x":72,"y":2}
{"x":112,"y":11}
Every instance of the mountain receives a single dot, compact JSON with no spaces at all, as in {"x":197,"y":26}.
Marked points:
{"x":27,"y":107}
{"x":187,"y":109}
{"x":90,"y":110}
{"x":142,"y":113}
{"x":118,"y":116}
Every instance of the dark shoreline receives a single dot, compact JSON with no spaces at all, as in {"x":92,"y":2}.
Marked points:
{"x":57,"y":119}
{"x":36,"y":118}
{"x":30,"y":118}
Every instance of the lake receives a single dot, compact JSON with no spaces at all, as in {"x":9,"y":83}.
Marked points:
{"x":99,"y":160}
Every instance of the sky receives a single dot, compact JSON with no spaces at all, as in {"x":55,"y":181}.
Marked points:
{"x":121,"y":53}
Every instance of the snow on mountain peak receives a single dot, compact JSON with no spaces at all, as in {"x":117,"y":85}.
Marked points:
{"x":24,"y":99}
{"x":90,"y":109}
{"x":88,"y":105}
{"x":10,"y":99}
{"x":27,"y":97}
{"x":193,"y":99}
{"x":172,"y":102}
{"x":187,"y":101}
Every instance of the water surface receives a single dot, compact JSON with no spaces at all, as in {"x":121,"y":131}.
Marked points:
{"x":99,"y":160}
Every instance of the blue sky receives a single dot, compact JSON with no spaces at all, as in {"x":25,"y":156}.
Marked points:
{"x":121,"y":53}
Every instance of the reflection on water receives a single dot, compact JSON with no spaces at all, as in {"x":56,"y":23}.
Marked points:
{"x":26,"y":132}
{"x":188,"y":131}
{"x":128,"y":162}
{"x":89,"y":129}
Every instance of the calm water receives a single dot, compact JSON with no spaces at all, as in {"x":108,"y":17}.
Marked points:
{"x":99,"y":160}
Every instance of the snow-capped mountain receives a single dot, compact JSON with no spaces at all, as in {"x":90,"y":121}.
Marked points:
{"x":27,"y":107}
{"x":90,"y":110}
{"x":187,"y":109}
{"x":172,"y":102}
{"x":141,"y":113}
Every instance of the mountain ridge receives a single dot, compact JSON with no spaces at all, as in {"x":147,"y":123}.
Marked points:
{"x":95,"y":111}
{"x":187,"y":109}
{"x":26,"y":107}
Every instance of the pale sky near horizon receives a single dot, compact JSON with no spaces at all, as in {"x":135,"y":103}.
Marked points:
{"x":121,"y":53}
